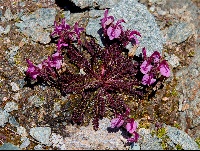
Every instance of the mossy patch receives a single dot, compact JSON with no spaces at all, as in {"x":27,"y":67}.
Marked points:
{"x":197,"y":140}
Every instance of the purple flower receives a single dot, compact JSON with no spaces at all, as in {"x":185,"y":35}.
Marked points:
{"x":114,"y":31}
{"x":145,"y":67}
{"x":32,"y":71}
{"x":131,"y":126}
{"x":40,"y":66}
{"x":60,"y":44}
{"x":127,"y":111}
{"x":164,"y":68}
{"x":107,"y":20}
{"x":155,"y":56}
{"x":56,"y":60}
{"x":45,"y":63}
{"x":135,"y":138}
{"x":59,"y":28}
{"x":64,"y":25}
{"x":117,"y":122}
{"x":148,"y":79}
{"x":132,"y":38}
{"x":144,"y":52}
{"x":78,"y":30}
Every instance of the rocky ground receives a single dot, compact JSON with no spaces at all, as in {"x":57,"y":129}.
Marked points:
{"x":37,"y":117}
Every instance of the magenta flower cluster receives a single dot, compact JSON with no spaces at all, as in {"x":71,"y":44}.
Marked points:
{"x":129,"y":123}
{"x":151,"y":66}
{"x":47,"y":66}
{"x":104,"y":77}
{"x":115,"y":30}
{"x":55,"y":61}
{"x":66,"y":33}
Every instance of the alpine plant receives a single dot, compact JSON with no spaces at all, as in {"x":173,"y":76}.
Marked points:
{"x":99,"y":76}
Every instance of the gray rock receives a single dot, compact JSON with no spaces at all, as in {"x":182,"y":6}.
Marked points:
{"x":13,"y":121}
{"x":8,"y":14}
{"x":85,"y":137}
{"x":134,"y":146}
{"x":4,"y":31}
{"x":1,"y":30}
{"x":1,"y":14}
{"x":11,"y":106}
{"x":44,"y":17}
{"x":56,"y":108}
{"x":138,"y":18}
{"x":9,"y":146}
{"x":152,"y":8}
{"x":35,"y":24}
{"x":41,"y":134}
{"x":25,"y":142}
{"x":162,"y":12}
{"x":101,"y":4}
{"x":3,"y":117}
{"x":7,"y":29}
{"x":173,"y":60}
{"x":94,"y":13}
{"x":57,"y":141}
{"x":38,"y":34}
{"x":21,"y":131}
{"x":158,"y":1}
{"x":189,"y":88}
{"x":14,"y":86}
{"x":11,"y":54}
{"x":66,"y":15}
{"x":149,"y":142}
{"x":35,"y":100}
{"x":181,"y":138}
{"x":38,"y":147}
{"x":179,"y":32}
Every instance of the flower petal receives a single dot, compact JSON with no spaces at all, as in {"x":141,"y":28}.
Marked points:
{"x":131,"y":126}
{"x":148,"y":79}
{"x":144,"y":52}
{"x":134,"y":139}
{"x":110,"y":33}
{"x":117,"y":32}
{"x":155,"y":56}
{"x":117,"y":122}
{"x":145,"y":67}
{"x":164,"y":68}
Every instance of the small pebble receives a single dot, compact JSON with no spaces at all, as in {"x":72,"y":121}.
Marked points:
{"x":15,"y":87}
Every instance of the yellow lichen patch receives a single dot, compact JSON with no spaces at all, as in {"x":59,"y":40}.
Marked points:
{"x":144,"y":124}
{"x":197,"y":140}
{"x":179,"y":147}
{"x":161,"y":133}
{"x":177,"y":125}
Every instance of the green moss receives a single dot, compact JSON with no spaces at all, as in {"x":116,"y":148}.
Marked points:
{"x":164,"y":145}
{"x":191,"y":53}
{"x":153,"y":132}
{"x":145,"y":125}
{"x":17,"y":59}
{"x":17,"y":19}
{"x":62,"y":15}
{"x":179,"y":147}
{"x":197,"y":140}
{"x":161,"y":132}
{"x":174,"y":92}
{"x":42,"y":98}
{"x":177,"y":125}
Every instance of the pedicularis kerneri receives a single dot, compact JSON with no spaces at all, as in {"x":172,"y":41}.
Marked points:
{"x":100,"y":77}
